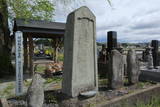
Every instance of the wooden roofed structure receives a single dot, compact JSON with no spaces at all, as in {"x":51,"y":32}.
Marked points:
{"x":37,"y":29}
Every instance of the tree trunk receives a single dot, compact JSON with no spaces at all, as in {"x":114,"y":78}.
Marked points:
{"x":5,"y":43}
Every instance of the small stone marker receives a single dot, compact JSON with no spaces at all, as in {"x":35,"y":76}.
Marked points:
{"x":80,"y":56}
{"x":35,"y":94}
{"x":19,"y":62}
{"x":133,"y":70}
{"x":115,"y":69}
{"x":150,"y":58}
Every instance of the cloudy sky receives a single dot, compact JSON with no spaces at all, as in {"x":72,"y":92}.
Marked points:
{"x":134,"y":20}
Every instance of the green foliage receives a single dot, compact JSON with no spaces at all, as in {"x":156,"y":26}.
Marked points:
{"x":27,"y":83}
{"x":103,"y":81}
{"x":7,"y":91}
{"x":60,"y":57}
{"x":40,"y":69}
{"x":49,"y":98}
{"x":54,"y":79}
{"x":155,"y":102}
{"x":30,"y":9}
{"x":109,"y":1}
{"x":143,"y":84}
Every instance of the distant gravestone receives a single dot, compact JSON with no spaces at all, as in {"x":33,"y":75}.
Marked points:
{"x":111,"y":40}
{"x":155,"y":45}
{"x":125,"y":64}
{"x":132,"y":67}
{"x":80,"y":59}
{"x":115,"y":69}
{"x":149,"y":58}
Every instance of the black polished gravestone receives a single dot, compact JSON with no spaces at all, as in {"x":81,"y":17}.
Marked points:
{"x":155,"y":45}
{"x":112,"y":40}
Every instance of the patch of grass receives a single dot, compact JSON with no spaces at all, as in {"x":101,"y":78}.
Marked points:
{"x":54,"y":79}
{"x":143,"y":84}
{"x":126,"y":81}
{"x":40,"y":69}
{"x":91,"y":105}
{"x":60,"y":57}
{"x":49,"y":98}
{"x":103,"y":81}
{"x":27,"y":83}
{"x":140,"y":84}
{"x":10,"y":86}
{"x":155,"y":102}
{"x":7,"y":91}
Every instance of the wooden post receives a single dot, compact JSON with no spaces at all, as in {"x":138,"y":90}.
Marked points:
{"x":53,"y":46}
{"x":31,"y":55}
{"x":56,"y":50}
{"x":25,"y":53}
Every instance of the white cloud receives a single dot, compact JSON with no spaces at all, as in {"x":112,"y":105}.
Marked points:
{"x":134,"y":20}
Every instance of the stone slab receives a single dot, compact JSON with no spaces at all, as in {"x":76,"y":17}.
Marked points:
{"x":115,"y":69}
{"x":133,"y":69}
{"x":80,"y":53}
{"x":150,"y":75}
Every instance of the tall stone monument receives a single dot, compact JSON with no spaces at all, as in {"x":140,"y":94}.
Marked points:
{"x":111,"y":40}
{"x":80,"y":59}
{"x":115,"y":69}
{"x":155,"y":45}
{"x":133,"y":70}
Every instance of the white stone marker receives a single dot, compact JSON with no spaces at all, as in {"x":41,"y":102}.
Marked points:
{"x":80,"y":59}
{"x":19,"y":62}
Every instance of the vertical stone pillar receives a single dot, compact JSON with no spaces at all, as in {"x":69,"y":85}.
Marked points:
{"x":19,"y":62}
{"x":112,"y":40}
{"x":115,"y":69}
{"x":155,"y":45}
{"x":132,"y":67}
{"x":80,"y":56}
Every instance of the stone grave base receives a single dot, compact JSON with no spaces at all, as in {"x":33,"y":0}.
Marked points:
{"x":150,"y":75}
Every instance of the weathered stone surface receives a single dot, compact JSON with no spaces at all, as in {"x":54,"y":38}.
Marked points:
{"x":115,"y":69}
{"x":150,"y":61}
{"x":132,"y":67}
{"x":35,"y":94}
{"x":80,"y":60}
{"x":3,"y":102}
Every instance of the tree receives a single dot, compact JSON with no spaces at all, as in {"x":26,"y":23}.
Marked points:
{"x":26,"y":9}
